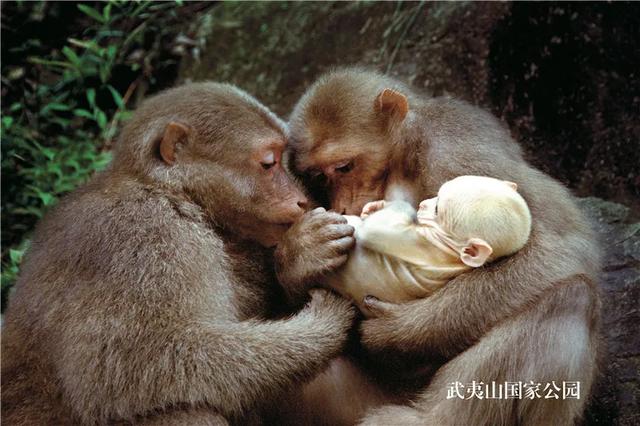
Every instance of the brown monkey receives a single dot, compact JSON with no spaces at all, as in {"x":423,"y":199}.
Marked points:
{"x":145,"y":296}
{"x":533,"y":316}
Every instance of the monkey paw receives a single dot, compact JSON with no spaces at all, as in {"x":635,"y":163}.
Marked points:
{"x":376,"y":308}
{"x":383,"y":330}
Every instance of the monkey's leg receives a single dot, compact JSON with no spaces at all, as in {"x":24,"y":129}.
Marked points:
{"x":552,"y":341}
{"x":339,"y":396}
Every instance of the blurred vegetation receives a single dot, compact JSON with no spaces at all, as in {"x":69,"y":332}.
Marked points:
{"x":70,"y":74}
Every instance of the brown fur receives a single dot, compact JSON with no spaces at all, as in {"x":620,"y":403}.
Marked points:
{"x":144,"y":297}
{"x":532,"y":316}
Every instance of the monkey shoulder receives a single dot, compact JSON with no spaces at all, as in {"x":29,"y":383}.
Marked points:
{"x":126,"y":233}
{"x":467,"y":131}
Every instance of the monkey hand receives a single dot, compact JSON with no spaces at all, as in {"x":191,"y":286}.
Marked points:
{"x":330,"y":319}
{"x":329,"y":307}
{"x":316,"y":244}
{"x":384,"y":328}
{"x":371,"y":208}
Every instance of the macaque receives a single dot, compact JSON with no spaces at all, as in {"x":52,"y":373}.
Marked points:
{"x":532,"y":316}
{"x":149,"y":296}
{"x":402,"y":255}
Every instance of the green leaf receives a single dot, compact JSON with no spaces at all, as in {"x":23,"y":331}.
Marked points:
{"x":91,"y":97}
{"x":106,"y":12}
{"x":49,"y":153}
{"x":7,"y":121}
{"x":116,"y":97}
{"x":89,"y":45}
{"x":88,"y":10}
{"x":83,"y":113}
{"x":101,"y":118}
{"x":62,"y":122}
{"x":16,"y":255}
{"x":58,"y":107}
{"x":105,"y":70}
{"x":72,"y":56}
{"x":112,"y":50}
{"x":46,"y":198}
{"x":47,"y":62}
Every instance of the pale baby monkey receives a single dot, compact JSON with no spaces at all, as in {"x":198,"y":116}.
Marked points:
{"x":401,"y":254}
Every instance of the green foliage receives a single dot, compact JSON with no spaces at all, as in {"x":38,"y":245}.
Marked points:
{"x":63,"y":103}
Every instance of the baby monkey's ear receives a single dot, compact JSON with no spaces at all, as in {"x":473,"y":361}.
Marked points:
{"x":512,"y":185}
{"x":174,"y":134}
{"x":476,"y":252}
{"x":392,"y":103}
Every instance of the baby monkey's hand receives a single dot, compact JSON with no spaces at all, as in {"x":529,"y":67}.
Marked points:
{"x":371,"y":208}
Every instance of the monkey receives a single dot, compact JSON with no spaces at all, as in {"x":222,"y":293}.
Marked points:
{"x":149,"y":295}
{"x":363,"y":136}
{"x":402,"y":254}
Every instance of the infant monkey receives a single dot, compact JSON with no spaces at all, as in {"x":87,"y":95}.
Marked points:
{"x":402,"y":254}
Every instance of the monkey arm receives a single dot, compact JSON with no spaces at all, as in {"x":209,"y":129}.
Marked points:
{"x":458,"y":315}
{"x":389,"y":231}
{"x":229,"y":366}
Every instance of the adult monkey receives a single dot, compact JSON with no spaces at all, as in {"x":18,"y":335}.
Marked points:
{"x":145,"y":296}
{"x":533,"y":316}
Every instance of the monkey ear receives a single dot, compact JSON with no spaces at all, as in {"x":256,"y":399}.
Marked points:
{"x":174,"y":134}
{"x":391,"y":102}
{"x":476,"y":252}
{"x":513,"y":185}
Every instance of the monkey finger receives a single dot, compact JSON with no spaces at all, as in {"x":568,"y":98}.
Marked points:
{"x":377,"y":308}
{"x":317,"y":211}
{"x":343,"y":245}
{"x":319,"y":219}
{"x":335,"y":231}
{"x":371,"y":208}
{"x":335,"y":218}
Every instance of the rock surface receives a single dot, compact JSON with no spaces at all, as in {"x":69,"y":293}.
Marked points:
{"x":617,"y":394}
{"x":563,"y":77}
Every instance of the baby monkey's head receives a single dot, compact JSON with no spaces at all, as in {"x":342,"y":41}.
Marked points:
{"x":486,"y":218}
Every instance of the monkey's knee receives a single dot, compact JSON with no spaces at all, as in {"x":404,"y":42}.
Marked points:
{"x":544,"y":412}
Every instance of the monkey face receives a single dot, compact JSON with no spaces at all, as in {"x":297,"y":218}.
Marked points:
{"x":350,"y":170}
{"x":428,"y":209}
{"x":354,"y":182}
{"x":252,"y":192}
{"x":277,"y":200}
{"x":223,"y":149}
{"x":342,"y":130}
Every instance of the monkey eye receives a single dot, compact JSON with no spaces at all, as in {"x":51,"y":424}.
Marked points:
{"x":344,"y":167}
{"x":268,"y":161}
